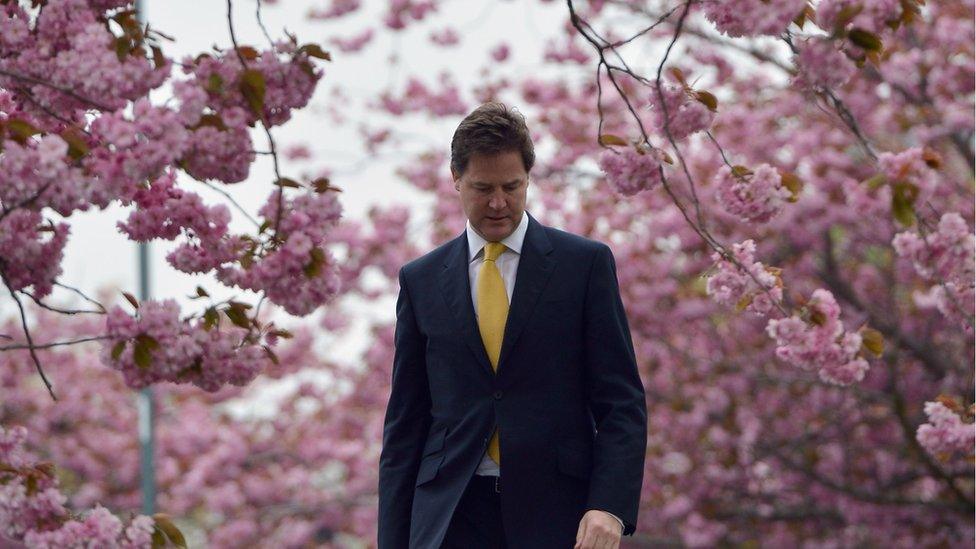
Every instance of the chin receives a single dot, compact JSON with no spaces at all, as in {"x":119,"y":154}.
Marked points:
{"x":494,"y":232}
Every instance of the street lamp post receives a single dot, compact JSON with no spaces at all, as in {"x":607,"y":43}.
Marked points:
{"x":146,"y":405}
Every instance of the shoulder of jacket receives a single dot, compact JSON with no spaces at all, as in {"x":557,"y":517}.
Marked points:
{"x":566,"y":240}
{"x":432,"y":259}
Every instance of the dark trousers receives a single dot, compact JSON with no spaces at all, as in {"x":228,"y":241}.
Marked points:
{"x":477,"y":520}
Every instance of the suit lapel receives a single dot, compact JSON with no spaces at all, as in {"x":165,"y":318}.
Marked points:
{"x":535,"y":266}
{"x":456,"y":287}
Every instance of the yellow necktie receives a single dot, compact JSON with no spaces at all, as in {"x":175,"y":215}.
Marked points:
{"x":492,"y":314}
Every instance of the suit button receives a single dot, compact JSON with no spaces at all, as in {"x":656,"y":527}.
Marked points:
{"x":497,"y":395}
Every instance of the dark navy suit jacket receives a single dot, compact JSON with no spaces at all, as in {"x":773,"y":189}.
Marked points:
{"x":567,"y":397}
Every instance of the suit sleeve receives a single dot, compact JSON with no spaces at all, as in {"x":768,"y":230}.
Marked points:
{"x":404,"y":428}
{"x":615,"y":397}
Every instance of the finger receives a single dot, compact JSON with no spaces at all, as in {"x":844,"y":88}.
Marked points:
{"x":579,"y":535}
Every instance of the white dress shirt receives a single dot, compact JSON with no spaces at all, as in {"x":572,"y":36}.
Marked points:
{"x":507,"y":264}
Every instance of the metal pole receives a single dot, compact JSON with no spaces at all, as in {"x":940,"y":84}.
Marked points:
{"x":146,"y":404}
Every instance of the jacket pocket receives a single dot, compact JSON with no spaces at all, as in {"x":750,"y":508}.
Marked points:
{"x":428,"y":469}
{"x":573,"y":461}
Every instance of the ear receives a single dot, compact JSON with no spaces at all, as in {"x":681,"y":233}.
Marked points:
{"x":457,"y":179}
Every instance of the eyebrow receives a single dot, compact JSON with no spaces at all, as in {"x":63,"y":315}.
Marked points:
{"x":505,"y":184}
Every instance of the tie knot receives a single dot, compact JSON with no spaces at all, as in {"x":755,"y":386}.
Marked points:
{"x":493,"y":250}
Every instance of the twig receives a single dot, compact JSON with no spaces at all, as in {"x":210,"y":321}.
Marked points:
{"x":30,"y":341}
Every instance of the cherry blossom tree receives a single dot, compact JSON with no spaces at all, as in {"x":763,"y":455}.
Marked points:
{"x":787,"y":188}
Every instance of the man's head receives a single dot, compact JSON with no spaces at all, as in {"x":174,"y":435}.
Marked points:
{"x":491,"y":155}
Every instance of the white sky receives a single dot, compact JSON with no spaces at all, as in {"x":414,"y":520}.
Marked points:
{"x":97,"y":255}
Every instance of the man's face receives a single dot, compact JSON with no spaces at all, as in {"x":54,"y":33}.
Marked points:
{"x":492,"y":191}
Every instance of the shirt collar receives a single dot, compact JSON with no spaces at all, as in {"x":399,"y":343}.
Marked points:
{"x":513,"y":241}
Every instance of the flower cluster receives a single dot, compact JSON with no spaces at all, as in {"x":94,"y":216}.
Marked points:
{"x":299,"y":274}
{"x":685,"y":113}
{"x":752,"y":17}
{"x":732,"y":286}
{"x":67,"y":46}
{"x":910,"y":166}
{"x":286,"y":72}
{"x":945,"y":257}
{"x":156,"y":345}
{"x":630,"y":170}
{"x":821,"y":343}
{"x":755,"y":196}
{"x":417,"y":97}
{"x":27,"y":257}
{"x":820,"y":64}
{"x":133,"y":149}
{"x":35,"y":175}
{"x":166,"y":211}
{"x":32,"y":507}
{"x":946,"y":435}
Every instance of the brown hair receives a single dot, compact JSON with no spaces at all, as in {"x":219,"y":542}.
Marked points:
{"x":491,"y":129}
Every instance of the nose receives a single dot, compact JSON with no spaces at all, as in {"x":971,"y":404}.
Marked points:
{"x":497,"y":201}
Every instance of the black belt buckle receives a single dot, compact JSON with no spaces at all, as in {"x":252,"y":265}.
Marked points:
{"x":497,"y":487}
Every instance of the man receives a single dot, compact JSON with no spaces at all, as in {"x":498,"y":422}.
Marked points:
{"x":517,"y":417}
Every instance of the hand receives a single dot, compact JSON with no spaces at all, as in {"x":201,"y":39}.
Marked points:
{"x":598,"y":530}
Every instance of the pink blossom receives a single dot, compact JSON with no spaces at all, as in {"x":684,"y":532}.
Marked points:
{"x":445,"y":37}
{"x":176,"y":350}
{"x":353,"y":43}
{"x":946,"y":435}
{"x":910,"y":166}
{"x":731,"y":286}
{"x":631,"y":171}
{"x":34,"y":511}
{"x":820,"y":64}
{"x":336,"y":9}
{"x":500,"y":52}
{"x":752,"y":17}
{"x":685,"y":114}
{"x":31,"y":251}
{"x":821,"y":343}
{"x":945,"y":257}
{"x":299,"y":274}
{"x":754,"y":197}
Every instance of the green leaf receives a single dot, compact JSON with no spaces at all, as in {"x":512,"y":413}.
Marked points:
{"x":122,"y":48}
{"x":142,"y":355}
{"x":210,"y":318}
{"x":288,"y":182}
{"x":131,"y":299}
{"x":314,"y":266}
{"x":872,"y":340}
{"x":866,"y":40}
{"x":158,"y":538}
{"x":903,"y":195}
{"x":793,"y":183}
{"x":21,"y":130}
{"x":741,"y":171}
{"x":117,"y":350}
{"x":238,"y":317}
{"x":215,"y":84}
{"x":875,"y":182}
{"x":314,"y":50}
{"x":247,"y":52}
{"x":612,"y":140}
{"x":707,"y":99}
{"x":164,"y":523}
{"x":159,"y":60}
{"x":77,"y":146}
{"x":212,"y":120}
{"x":282,"y":333}
{"x":252,"y":86}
